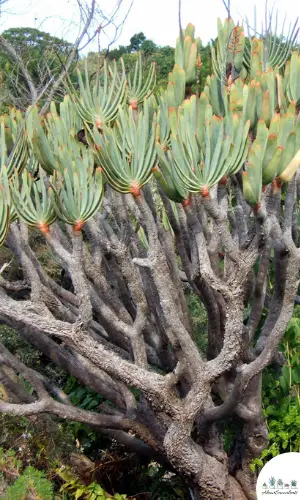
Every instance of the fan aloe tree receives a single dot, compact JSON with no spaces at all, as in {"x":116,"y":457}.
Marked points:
{"x":171,"y":196}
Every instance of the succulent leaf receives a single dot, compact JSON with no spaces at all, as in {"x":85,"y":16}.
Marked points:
{"x":77,"y":194}
{"x":126,"y":152}
{"x":138,"y":89}
{"x":31,"y":201}
{"x":204,"y":151}
{"x":99,"y":104}
{"x":228,"y":54}
{"x":186,"y":53}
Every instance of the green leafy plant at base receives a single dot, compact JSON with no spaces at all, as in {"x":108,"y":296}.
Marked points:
{"x":199,"y":319}
{"x":89,"y":439}
{"x":31,"y":482}
{"x":27,"y":483}
{"x":79,"y":490}
{"x":281,"y":397}
{"x":163,"y":485}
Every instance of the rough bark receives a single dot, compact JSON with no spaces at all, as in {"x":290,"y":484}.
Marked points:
{"x":125,"y":324}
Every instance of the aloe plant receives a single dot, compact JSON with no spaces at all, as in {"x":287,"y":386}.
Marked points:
{"x":163,"y":125}
{"x":5,"y":184}
{"x":76,"y":187}
{"x":275,"y":153}
{"x":4,"y":215}
{"x":42,"y":148}
{"x":127,"y":152}
{"x":261,"y":98}
{"x":187,"y":51}
{"x":227,"y":56}
{"x":216,"y":95}
{"x":72,"y":120}
{"x":99,"y":103}
{"x":49,"y":134}
{"x":32,"y":202}
{"x":293,"y":84}
{"x":163,"y":173}
{"x":205,"y":150}
{"x":269,"y":47}
{"x":139,"y":88}
{"x":13,"y":144}
{"x":176,"y":86}
{"x":252,"y":177}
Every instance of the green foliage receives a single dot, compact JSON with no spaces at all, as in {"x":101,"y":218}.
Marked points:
{"x":31,"y":482}
{"x":30,"y":440}
{"x":199,"y":318}
{"x":34,"y":43}
{"x":82,"y":396}
{"x":115,"y":53}
{"x":281,"y":398}
{"x":164,"y":58}
{"x":26,"y":483}
{"x":206,"y":65}
{"x":127,"y":152}
{"x":87,"y":438}
{"x":30,"y":356}
{"x":38,"y":50}
{"x":136,"y":42}
{"x":72,"y":484}
{"x":290,"y":378}
{"x":148,"y":47}
{"x":161,"y":484}
{"x":12,"y":341}
{"x":10,"y":465}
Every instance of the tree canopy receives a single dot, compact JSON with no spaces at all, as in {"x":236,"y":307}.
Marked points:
{"x":163,"y":56}
{"x":43,"y":55}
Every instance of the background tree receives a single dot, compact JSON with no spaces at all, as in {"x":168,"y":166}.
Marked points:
{"x":43,"y":55}
{"x":136,"y":42}
{"x":148,"y":47}
{"x":163,"y":57}
{"x":30,"y":79}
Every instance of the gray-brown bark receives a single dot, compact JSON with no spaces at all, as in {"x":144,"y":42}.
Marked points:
{"x":126,"y":324}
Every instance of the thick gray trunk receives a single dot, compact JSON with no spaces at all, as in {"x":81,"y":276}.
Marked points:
{"x":208,"y":475}
{"x":233,"y":491}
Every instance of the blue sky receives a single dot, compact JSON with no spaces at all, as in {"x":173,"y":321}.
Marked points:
{"x":158,"y":19}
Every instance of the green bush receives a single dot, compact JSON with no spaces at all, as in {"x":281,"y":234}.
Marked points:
{"x":199,"y":318}
{"x":281,"y":398}
{"x":31,"y":483}
{"x":27,"y":483}
{"x":79,"y":490}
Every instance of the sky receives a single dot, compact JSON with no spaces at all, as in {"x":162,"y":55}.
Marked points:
{"x":158,"y":19}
